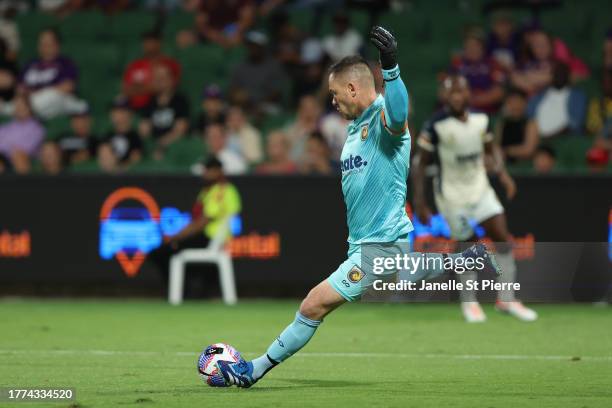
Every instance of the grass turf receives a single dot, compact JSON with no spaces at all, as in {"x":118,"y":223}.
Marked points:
{"x":142,"y":353}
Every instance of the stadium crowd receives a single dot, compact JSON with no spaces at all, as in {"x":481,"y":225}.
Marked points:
{"x":526,"y":78}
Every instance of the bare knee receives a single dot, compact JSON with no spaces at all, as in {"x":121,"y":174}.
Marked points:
{"x":312,"y":307}
{"x":320,"y":301}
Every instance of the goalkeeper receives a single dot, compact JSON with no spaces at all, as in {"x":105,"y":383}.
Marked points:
{"x":374,"y":164}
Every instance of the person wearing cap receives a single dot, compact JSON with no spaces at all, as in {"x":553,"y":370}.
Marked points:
{"x":257,"y":82}
{"x":72,"y":147}
{"x":121,"y":147}
{"x":213,"y":107}
{"x":218,"y":201}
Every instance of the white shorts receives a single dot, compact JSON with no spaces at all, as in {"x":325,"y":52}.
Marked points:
{"x":460,"y":216}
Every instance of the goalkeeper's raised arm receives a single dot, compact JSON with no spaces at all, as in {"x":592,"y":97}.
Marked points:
{"x":396,"y":95}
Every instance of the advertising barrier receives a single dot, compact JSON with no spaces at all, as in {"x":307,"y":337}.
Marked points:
{"x":91,"y":234}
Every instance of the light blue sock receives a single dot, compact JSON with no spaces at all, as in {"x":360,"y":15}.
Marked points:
{"x":292,"y":339}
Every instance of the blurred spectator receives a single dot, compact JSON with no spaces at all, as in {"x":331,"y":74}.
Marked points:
{"x":599,"y":119}
{"x":607,"y":51}
{"x":243,"y":135}
{"x":515,"y":132}
{"x":138,"y":76}
{"x":20,"y":6}
{"x":257,"y":83}
{"x":5,"y":165}
{"x":21,"y":137}
{"x":216,"y":143}
{"x":72,"y":147}
{"x":121,"y":147}
{"x":213,"y":107}
{"x":59,"y":7}
{"x":483,"y":74}
{"x":277,"y":150}
{"x":306,"y":122}
{"x":8,"y":75}
{"x":503,"y":41}
{"x":317,"y":157}
{"x":541,"y":51}
{"x":50,"y":80}
{"x":309,"y":77}
{"x":286,"y":41}
{"x":80,"y":143}
{"x":534,"y":71}
{"x":221,"y":22}
{"x":9,"y":33}
{"x":333,"y":128}
{"x":51,"y":158}
{"x":166,"y":118}
{"x":560,"y":107}
{"x":544,"y":159}
{"x":600,"y":110}
{"x":373,"y":8}
{"x":344,"y":40}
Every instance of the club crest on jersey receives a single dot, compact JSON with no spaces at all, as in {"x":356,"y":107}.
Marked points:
{"x":364,"y":133}
{"x":355,"y":274}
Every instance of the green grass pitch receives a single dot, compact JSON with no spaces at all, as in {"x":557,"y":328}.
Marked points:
{"x":143,"y":354}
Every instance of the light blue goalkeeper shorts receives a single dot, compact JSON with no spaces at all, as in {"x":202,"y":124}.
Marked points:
{"x":349,"y":280}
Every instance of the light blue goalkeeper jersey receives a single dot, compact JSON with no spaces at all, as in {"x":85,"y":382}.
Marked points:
{"x":374,"y":163}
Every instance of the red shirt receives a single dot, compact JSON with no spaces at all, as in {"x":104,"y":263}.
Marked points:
{"x":140,"y":71}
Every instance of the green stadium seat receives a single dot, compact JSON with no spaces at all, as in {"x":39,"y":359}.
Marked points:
{"x":56,"y":127}
{"x":185,"y":152}
{"x":87,"y":166}
{"x":85,"y":26}
{"x":176,"y":22}
{"x":130,"y":25}
{"x":100,"y":58}
{"x":571,"y":151}
{"x":30,"y":24}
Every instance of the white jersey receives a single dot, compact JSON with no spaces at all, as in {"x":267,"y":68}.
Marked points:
{"x":459,"y":147}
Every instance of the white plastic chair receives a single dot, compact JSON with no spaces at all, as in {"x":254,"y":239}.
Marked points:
{"x":214,"y":253}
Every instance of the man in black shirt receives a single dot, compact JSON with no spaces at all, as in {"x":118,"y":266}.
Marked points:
{"x":79,"y":144}
{"x":121,"y":147}
{"x":72,"y":147}
{"x":166,"y":118}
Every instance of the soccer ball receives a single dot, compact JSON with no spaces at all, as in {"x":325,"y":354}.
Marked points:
{"x":207,"y":363}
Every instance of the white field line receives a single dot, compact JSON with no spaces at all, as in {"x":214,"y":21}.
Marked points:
{"x":320,"y":355}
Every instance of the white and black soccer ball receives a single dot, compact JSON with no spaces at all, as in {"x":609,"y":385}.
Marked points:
{"x":207,"y":362}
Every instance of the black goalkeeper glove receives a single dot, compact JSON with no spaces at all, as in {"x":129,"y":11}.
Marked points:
{"x":387,"y":46}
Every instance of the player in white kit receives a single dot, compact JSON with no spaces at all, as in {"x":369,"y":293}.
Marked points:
{"x":460,"y":142}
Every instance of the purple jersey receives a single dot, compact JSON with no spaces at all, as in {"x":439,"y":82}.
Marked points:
{"x":40,"y":74}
